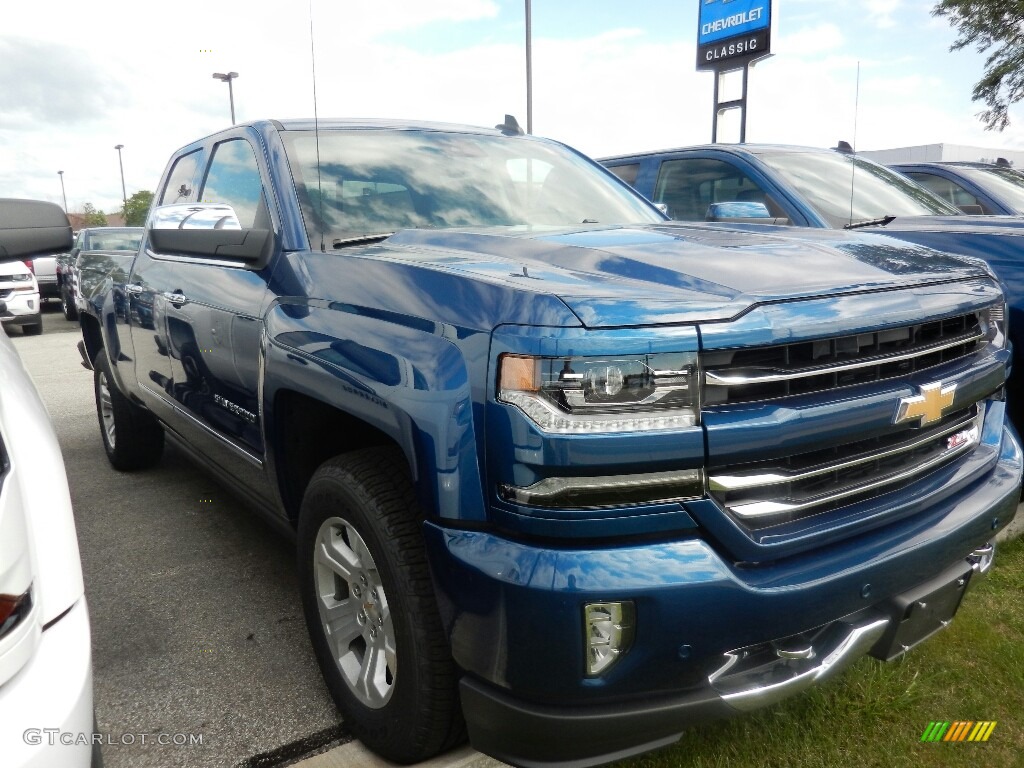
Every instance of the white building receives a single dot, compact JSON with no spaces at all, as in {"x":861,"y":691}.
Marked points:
{"x":933,"y":153}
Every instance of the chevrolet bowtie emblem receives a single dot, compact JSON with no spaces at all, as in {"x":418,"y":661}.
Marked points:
{"x":928,"y":406}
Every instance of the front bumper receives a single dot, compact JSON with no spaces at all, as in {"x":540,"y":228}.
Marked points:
{"x":22,"y":309}
{"x":52,"y":691}
{"x":513,"y":612}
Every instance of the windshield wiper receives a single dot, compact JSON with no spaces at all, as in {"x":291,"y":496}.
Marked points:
{"x":344,"y":242}
{"x":870,"y":223}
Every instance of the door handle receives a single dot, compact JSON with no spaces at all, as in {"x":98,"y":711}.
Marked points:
{"x":133,"y":288}
{"x":177,"y":298}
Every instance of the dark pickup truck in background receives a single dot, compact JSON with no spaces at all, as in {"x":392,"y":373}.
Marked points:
{"x":809,"y":187}
{"x":994,"y":190}
{"x":561,"y":474}
{"x":93,"y":256}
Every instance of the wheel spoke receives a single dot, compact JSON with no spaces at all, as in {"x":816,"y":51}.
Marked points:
{"x":390,"y":652}
{"x":107,"y":410}
{"x":333,"y":553}
{"x":363,"y":556}
{"x":340,"y":624}
{"x":372,"y":674}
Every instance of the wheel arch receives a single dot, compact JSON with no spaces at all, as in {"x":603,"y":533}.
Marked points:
{"x":91,"y":334}
{"x":308,"y":432}
{"x":335,"y":382}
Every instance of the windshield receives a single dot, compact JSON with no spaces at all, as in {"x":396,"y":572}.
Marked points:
{"x":824,"y":180}
{"x":1004,"y":183}
{"x":114,"y":239}
{"x":379,"y":181}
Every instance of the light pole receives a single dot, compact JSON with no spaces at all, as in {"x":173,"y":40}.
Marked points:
{"x":61,"y":174}
{"x":529,"y":69}
{"x":231,"y":93}
{"x":120,"y":162}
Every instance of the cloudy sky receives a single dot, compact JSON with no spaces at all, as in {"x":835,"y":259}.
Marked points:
{"x":609,"y":77}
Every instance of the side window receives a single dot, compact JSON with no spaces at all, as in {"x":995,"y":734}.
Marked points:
{"x":626,"y":172}
{"x":234,"y":179}
{"x":947,"y":189}
{"x":688,"y":187}
{"x":179,"y":185}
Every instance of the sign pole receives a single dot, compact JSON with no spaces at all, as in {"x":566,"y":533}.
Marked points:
{"x":732,"y":36}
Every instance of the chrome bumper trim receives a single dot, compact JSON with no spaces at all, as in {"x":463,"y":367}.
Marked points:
{"x":855,"y":645}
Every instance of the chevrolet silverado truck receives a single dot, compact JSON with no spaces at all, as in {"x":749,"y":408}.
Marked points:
{"x":812,"y":187}
{"x":92,"y":256}
{"x":561,"y":474}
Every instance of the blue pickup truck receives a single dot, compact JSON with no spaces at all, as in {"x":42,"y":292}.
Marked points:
{"x":561,"y":474}
{"x":807,"y":187}
{"x":985,"y":188}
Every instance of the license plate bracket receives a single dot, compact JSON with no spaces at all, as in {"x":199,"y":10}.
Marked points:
{"x":919,"y":613}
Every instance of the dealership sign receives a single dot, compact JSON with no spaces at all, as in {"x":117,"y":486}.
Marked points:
{"x":731,"y":31}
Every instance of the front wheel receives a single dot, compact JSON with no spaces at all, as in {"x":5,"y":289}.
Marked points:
{"x":370,"y":607}
{"x":132,"y":437}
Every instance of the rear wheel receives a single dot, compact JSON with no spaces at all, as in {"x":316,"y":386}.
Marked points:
{"x":370,"y":607}
{"x":67,"y":305}
{"x":132,"y":438}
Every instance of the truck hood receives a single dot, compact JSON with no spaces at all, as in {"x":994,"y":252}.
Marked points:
{"x":1008,"y":225}
{"x":672,"y":273}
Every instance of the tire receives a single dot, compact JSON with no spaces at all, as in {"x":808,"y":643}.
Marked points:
{"x":67,"y":305}
{"x":35,"y":329}
{"x":132,"y":438}
{"x":370,"y":606}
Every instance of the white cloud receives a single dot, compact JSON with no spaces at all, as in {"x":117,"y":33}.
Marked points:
{"x":881,"y":12}
{"x":810,"y":41}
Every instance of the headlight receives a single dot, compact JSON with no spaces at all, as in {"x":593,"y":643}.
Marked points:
{"x":993,"y":322}
{"x":608,"y":394}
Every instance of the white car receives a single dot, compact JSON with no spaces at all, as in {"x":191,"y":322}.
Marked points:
{"x":20,"y":292}
{"x":46,"y":699}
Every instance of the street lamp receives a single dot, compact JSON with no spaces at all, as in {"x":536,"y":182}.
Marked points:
{"x":61,"y":174}
{"x":231,"y":93}
{"x":120,"y":162}
{"x":529,"y":69}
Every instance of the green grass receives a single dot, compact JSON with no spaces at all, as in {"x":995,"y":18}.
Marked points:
{"x":875,"y":713}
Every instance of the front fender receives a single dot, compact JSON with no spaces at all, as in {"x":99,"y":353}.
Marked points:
{"x":408,"y":378}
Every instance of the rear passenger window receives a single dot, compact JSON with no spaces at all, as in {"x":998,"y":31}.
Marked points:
{"x":234,"y":179}
{"x":947,"y":189}
{"x":626,"y":172}
{"x":179,"y":185}
{"x":689,"y":186}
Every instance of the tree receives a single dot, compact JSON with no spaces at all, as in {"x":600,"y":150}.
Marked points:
{"x":136,"y":210}
{"x":93,"y":218}
{"x":996,"y":25}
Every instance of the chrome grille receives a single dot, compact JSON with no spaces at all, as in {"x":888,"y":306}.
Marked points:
{"x":764,"y":373}
{"x":763,"y":494}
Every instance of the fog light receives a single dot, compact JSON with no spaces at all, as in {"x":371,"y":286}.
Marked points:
{"x":609,"y":629}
